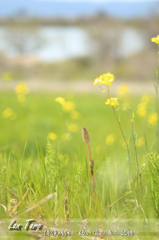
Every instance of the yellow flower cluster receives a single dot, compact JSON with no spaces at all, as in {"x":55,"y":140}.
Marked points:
{"x":123,"y":90}
{"x":69,"y":106}
{"x":52,"y":136}
{"x":106,"y":79}
{"x":21,"y":90}
{"x":155,"y":39}
{"x":6,"y":76}
{"x":110,"y":139}
{"x":60,"y":100}
{"x":153,"y":118}
{"x":112,"y":102}
{"x":8,"y":113}
{"x":141,"y":110}
{"x":140,"y":142}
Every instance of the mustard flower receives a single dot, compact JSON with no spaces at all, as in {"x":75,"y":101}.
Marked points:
{"x":141,"y":110}
{"x":140,"y":142}
{"x":7,"y":76}
{"x":112,"y":102}
{"x":123,"y":90}
{"x":145,"y":98}
{"x":22,"y":88}
{"x":153,"y":118}
{"x":52,"y":136}
{"x":68,"y":106}
{"x":60,"y":100}
{"x":106,"y":79}
{"x":110,"y":139}
{"x":96,"y":81}
{"x":8,"y":112}
{"x":75,"y":115}
{"x":155,"y":39}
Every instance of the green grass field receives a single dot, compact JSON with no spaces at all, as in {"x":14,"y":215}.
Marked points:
{"x":34,"y":166}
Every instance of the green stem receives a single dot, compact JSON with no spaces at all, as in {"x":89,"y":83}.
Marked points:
{"x":132,"y":128}
{"x":125,"y":142}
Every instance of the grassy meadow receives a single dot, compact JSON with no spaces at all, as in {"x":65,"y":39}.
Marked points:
{"x":45,"y":164}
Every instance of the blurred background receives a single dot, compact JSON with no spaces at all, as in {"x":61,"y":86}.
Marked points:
{"x":56,"y":41}
{"x":57,"y":48}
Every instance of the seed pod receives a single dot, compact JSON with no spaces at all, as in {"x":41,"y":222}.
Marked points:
{"x":85,"y":135}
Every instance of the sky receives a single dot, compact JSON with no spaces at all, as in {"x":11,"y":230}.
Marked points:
{"x":73,"y":8}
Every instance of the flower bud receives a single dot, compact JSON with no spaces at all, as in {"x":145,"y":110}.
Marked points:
{"x":85,"y":135}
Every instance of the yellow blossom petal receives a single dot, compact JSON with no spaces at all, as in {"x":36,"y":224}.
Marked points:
{"x":60,"y":100}
{"x":153,"y":118}
{"x":110,"y":139}
{"x":96,"y":81}
{"x":68,"y":106}
{"x":145,"y":98}
{"x":155,"y":39}
{"x":123,"y":90}
{"x":52,"y":136}
{"x":75,"y":115}
{"x":112,"y":101}
{"x":8,"y":112}
{"x":22,"y":88}
{"x":7,"y":76}
{"x":140,"y":142}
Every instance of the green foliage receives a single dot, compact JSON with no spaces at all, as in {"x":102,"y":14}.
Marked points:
{"x":154,"y":170}
{"x":78,"y":180}
{"x":3,"y":173}
{"x":50,"y":162}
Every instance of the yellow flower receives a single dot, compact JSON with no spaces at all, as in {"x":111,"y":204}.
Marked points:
{"x":52,"y":136}
{"x":141,"y":110}
{"x":155,"y":39}
{"x":75,"y":115}
{"x":21,"y":97}
{"x":112,"y":102}
{"x":110,"y":139}
{"x":140,"y":142}
{"x":8,"y":112}
{"x":153,"y":118}
{"x":123,"y":90}
{"x":106,"y":79}
{"x":72,"y":128}
{"x":68,"y":106}
{"x":145,"y":98}
{"x":96,"y":81}
{"x":7,"y":76}
{"x":60,"y":100}
{"x":22,"y":88}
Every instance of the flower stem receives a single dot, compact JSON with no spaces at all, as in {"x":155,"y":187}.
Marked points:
{"x":125,"y":143}
{"x":132,"y":127}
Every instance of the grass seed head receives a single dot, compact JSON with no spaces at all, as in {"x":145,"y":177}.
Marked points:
{"x":85,"y":135}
